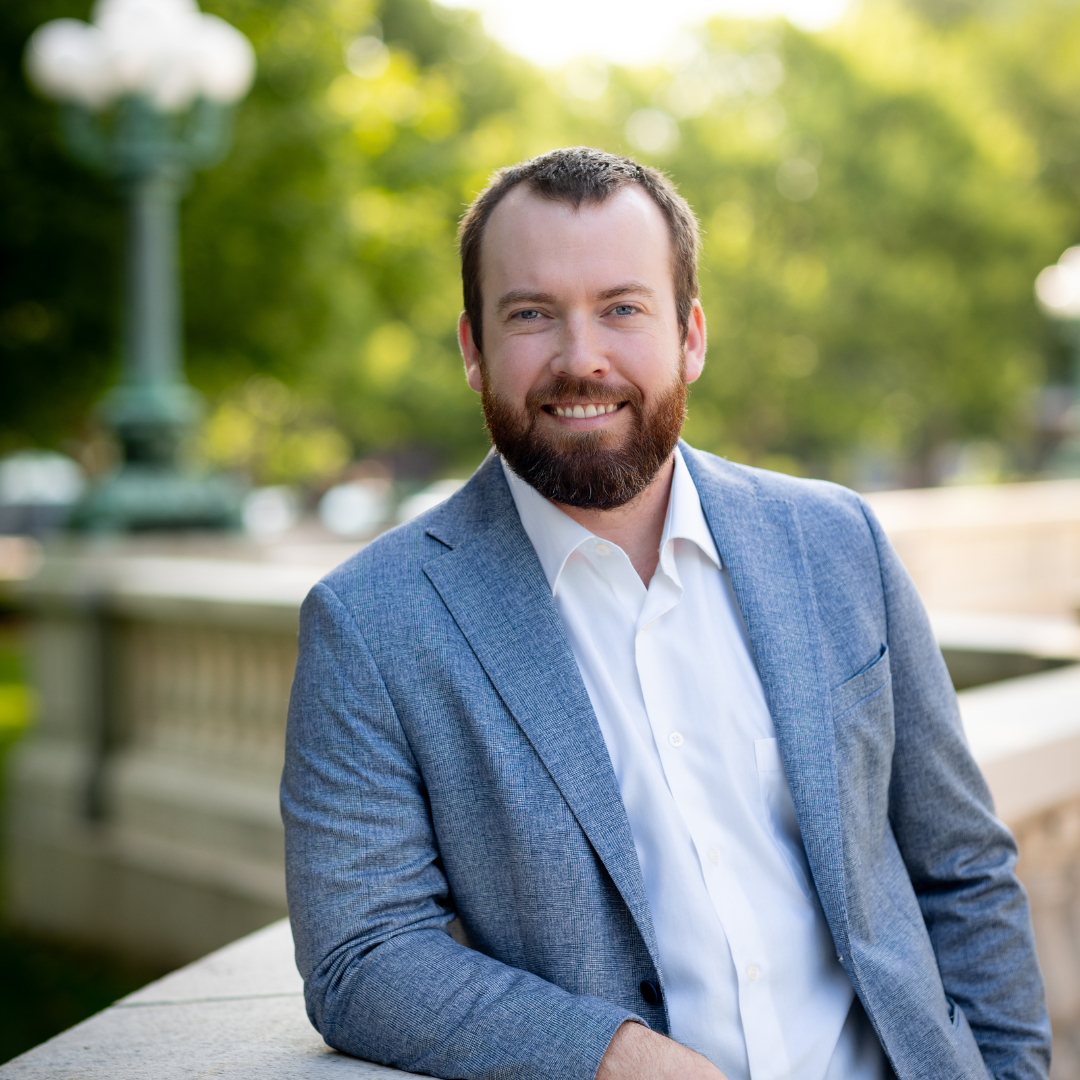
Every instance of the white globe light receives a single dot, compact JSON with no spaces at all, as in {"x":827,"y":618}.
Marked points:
{"x":165,"y":50}
{"x":112,"y":13}
{"x":1057,"y":289}
{"x":151,"y":45}
{"x":225,"y":61}
{"x":68,"y":60}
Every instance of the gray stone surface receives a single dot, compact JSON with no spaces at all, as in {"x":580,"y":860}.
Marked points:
{"x":237,"y":1014}
{"x":259,"y":965}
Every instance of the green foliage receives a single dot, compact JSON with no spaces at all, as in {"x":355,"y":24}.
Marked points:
{"x":59,"y":243}
{"x":887,"y":312}
{"x":875,"y":201}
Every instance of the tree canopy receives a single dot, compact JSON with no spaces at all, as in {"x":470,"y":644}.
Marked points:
{"x":876,"y":202}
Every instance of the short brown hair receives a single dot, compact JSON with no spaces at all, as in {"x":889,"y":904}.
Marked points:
{"x":575,"y":175}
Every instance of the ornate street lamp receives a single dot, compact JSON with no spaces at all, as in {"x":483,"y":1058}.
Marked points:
{"x":1057,"y":289}
{"x":147,"y":88}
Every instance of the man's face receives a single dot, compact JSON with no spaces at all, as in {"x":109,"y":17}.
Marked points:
{"x":584,"y":370}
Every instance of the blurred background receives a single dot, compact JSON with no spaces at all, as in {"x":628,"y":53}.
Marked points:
{"x":879,"y":184}
{"x":877,"y":198}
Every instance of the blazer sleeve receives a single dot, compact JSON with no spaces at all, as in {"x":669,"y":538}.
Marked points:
{"x":369,"y":903}
{"x":959,"y":856}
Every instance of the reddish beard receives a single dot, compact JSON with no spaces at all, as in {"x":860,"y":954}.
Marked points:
{"x":592,"y":470}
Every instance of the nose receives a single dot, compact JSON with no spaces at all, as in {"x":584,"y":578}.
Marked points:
{"x":580,"y":355}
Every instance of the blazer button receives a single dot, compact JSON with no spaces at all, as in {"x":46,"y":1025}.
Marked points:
{"x":650,"y":992}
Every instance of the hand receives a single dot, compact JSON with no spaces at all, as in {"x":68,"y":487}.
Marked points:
{"x":636,"y":1053}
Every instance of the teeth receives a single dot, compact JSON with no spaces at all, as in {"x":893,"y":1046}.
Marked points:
{"x":584,"y":412}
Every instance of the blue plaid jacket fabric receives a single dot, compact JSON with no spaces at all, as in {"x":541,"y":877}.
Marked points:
{"x":443,"y":759}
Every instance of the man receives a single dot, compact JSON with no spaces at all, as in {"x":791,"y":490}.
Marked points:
{"x":665,"y":742}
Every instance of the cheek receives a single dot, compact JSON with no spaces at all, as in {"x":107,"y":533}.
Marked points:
{"x":518,"y":366}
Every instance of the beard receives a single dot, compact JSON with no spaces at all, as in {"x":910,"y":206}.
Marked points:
{"x":590,"y":470}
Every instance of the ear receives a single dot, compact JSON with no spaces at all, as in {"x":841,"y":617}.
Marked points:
{"x":469,"y":353}
{"x":695,"y":343}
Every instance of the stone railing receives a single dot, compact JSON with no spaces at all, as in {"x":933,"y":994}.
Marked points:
{"x":1000,"y":548}
{"x":143,"y":806}
{"x":239,"y":1013}
{"x":1025,"y":734}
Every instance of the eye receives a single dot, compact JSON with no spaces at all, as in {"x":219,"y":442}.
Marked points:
{"x":624,"y":309}
{"x":528,"y":316}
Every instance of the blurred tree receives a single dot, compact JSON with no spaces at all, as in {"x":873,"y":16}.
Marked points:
{"x":875,"y":202}
{"x":59,"y":246}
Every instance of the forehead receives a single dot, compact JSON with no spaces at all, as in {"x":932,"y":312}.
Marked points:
{"x":535,"y":243}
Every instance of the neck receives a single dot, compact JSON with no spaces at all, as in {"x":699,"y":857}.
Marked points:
{"x":636,"y":527}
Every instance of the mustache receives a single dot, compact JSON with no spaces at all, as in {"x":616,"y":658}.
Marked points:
{"x":581,"y":391}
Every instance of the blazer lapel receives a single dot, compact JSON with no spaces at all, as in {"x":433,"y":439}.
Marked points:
{"x":760,"y":543}
{"x":495,"y":588}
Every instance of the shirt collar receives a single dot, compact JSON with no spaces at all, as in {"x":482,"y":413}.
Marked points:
{"x":685,"y":518}
{"x":556,"y":536}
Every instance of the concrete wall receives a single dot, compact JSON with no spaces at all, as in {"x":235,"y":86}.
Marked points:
{"x":239,"y":1014}
{"x":143,"y":806}
{"x":997,"y":548}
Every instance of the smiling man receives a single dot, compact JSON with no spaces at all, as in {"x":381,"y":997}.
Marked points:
{"x":627,"y":762}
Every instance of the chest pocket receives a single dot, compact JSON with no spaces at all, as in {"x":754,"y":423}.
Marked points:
{"x":780,"y":813}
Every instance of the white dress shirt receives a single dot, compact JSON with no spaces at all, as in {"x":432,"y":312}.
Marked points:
{"x":749,"y":970}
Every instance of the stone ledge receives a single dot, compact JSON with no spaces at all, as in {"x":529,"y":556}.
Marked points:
{"x":1025,"y":735}
{"x":237,"y":1014}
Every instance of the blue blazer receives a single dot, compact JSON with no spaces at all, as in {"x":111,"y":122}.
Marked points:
{"x":443,"y":759}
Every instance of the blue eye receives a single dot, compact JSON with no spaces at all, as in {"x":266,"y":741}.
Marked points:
{"x":624,"y":309}
{"x":529,"y":315}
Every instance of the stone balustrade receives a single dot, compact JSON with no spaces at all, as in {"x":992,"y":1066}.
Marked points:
{"x":143,"y":805}
{"x":238,"y":1014}
{"x":998,"y":548}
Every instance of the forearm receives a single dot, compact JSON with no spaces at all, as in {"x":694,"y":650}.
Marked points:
{"x":424,"y":1004}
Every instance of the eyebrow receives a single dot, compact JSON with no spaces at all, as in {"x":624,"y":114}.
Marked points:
{"x":625,"y":289}
{"x":524,"y":296}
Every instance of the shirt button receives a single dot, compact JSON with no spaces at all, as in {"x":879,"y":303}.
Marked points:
{"x":752,"y":972}
{"x":675,"y":739}
{"x":713,"y":855}
{"x":603,"y":549}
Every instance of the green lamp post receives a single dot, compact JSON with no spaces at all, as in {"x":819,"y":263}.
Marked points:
{"x":146,"y":89}
{"x":1057,"y":289}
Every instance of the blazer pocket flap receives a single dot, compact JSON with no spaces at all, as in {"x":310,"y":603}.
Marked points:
{"x":868,"y":681}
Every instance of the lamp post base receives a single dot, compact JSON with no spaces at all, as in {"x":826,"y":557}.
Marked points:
{"x":143,"y":497}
